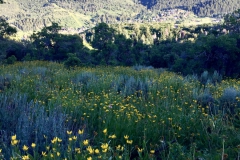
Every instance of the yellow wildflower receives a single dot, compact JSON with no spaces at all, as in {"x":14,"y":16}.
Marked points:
{"x":104,"y":146}
{"x":14,"y":142}
{"x":89,"y":158}
{"x":140,"y":150}
{"x":126,"y":136}
{"x":69,"y":132}
{"x":74,"y":137}
{"x":80,"y":131}
{"x":85,"y":142}
{"x":54,"y":140}
{"x":90,"y":150}
{"x":112,"y":136}
{"x":25,"y":157}
{"x":14,"y":137}
{"x":77,"y":150}
{"x":105,"y":131}
{"x":129,"y":141}
{"x":44,"y":154}
{"x":25,"y":148}
{"x":70,"y":139}
{"x":33,"y":145}
{"x":96,"y":151}
{"x":58,"y":154}
{"x":152,"y":151}
{"x":118,"y":147}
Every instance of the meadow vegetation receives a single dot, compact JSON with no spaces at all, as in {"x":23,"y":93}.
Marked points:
{"x":48,"y":111}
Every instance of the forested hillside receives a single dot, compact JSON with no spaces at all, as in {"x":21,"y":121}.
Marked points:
{"x":78,"y":15}
{"x":199,"y":7}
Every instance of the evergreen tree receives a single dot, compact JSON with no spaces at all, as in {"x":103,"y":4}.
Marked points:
{"x":6,"y":29}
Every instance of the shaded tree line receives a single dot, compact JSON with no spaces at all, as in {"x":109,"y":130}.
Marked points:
{"x":184,"y":50}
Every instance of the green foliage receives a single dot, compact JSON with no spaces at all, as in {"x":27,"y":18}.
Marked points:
{"x":6,"y":29}
{"x":48,"y":44}
{"x":232,"y":21}
{"x":72,"y":61}
{"x":11,"y":60}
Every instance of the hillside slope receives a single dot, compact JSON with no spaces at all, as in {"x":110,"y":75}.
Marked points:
{"x":77,"y":15}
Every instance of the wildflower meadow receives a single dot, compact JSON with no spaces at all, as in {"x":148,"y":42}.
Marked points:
{"x":87,"y":113}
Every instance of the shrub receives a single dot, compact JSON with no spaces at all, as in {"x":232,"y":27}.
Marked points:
{"x":216,"y":77}
{"x":229,"y":101}
{"x":72,"y":61}
{"x":140,"y":67}
{"x":204,"y":78}
{"x":206,"y":100}
{"x":5,"y":81}
{"x":11,"y":60}
{"x":128,"y":85}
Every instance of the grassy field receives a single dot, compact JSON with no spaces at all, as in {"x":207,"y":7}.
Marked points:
{"x":49,"y":112}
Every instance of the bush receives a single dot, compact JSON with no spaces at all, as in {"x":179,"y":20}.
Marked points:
{"x":229,"y":100}
{"x":207,"y":101}
{"x":72,"y":61}
{"x":11,"y":60}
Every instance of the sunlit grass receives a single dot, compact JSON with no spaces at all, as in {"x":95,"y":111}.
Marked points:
{"x":118,"y":112}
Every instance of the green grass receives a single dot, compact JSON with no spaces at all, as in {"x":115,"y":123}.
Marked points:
{"x":47,"y":105}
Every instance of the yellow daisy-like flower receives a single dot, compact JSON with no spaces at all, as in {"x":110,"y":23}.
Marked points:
{"x":104,"y":146}
{"x":118,"y":147}
{"x":14,"y":142}
{"x":78,"y":150}
{"x":25,"y":148}
{"x":104,"y":150}
{"x":80,"y":131}
{"x":126,"y":136}
{"x":96,"y":151}
{"x":14,"y":137}
{"x":152,"y":151}
{"x":54,"y":140}
{"x":112,"y":136}
{"x":129,"y":141}
{"x":140,"y":150}
{"x":58,"y":154}
{"x":105,"y":131}
{"x":85,"y":142}
{"x":25,"y":157}
{"x":89,"y":158}
{"x":33,"y":145}
{"x":44,"y":154}
{"x":69,"y":132}
{"x":74,"y":137}
{"x":90,"y":150}
{"x":70,"y":139}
